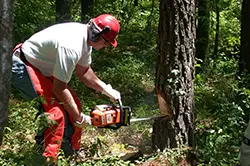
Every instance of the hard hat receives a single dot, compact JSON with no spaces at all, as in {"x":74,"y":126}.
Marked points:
{"x":108,"y":26}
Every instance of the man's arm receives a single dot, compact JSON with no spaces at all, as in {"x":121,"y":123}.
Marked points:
{"x":89,"y":78}
{"x":63,"y":95}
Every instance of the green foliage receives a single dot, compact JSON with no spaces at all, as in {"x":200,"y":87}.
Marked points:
{"x":19,"y":145}
{"x":220,"y":117}
{"x":221,"y":105}
{"x":229,"y":33}
{"x":108,"y":161}
{"x":129,"y":68}
{"x":31,"y":16}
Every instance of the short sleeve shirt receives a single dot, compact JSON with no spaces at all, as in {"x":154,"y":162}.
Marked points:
{"x":56,"y":50}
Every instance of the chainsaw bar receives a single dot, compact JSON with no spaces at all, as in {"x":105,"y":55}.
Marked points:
{"x":146,"y":119}
{"x":113,"y":116}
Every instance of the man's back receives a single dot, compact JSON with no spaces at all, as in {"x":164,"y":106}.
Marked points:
{"x":57,"y":49}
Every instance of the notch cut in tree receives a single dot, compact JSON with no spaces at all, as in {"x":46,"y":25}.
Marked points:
{"x":175,"y":74}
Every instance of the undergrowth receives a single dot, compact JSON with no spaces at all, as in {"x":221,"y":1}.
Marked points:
{"x":220,"y":114}
{"x":221,"y":109}
{"x":221,"y":105}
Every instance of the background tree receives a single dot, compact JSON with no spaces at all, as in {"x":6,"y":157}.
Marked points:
{"x":85,"y":10}
{"x":202,"y":31}
{"x":62,"y":11}
{"x":175,"y":74}
{"x":6,"y":22}
{"x":217,"y":31}
{"x":27,"y":21}
{"x":135,"y":3}
{"x":244,"y":62}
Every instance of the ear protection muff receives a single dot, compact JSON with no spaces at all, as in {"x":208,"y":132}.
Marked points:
{"x":95,"y":34}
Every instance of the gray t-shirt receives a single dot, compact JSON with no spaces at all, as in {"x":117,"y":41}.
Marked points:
{"x":56,"y":50}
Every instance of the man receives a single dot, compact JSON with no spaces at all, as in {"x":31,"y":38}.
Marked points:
{"x":43,"y":66}
{"x":245,"y":148}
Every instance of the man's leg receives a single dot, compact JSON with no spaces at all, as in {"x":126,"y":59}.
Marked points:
{"x":54,"y":111}
{"x":72,"y":134}
{"x":68,"y":132}
{"x":245,"y":148}
{"x":20,"y":79}
{"x":76,"y":137}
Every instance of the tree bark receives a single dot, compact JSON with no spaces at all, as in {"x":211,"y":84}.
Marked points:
{"x":216,"y":40}
{"x":85,"y":9}
{"x":6,"y":24}
{"x":135,"y":3}
{"x":62,"y":11}
{"x":175,"y":74}
{"x":244,"y":63}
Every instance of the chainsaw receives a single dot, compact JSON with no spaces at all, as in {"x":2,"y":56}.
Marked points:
{"x":114,"y":116}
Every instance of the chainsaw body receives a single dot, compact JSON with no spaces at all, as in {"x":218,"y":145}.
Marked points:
{"x":110,"y":116}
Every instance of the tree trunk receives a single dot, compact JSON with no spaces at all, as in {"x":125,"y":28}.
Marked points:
{"x":244,"y":63}
{"x":6,"y":24}
{"x":150,"y":17}
{"x":135,"y":3}
{"x":175,"y":74}
{"x":62,"y":11}
{"x":217,"y":32}
{"x":85,"y":10}
{"x":202,"y":31}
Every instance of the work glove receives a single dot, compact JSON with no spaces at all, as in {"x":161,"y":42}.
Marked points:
{"x":111,"y":93}
{"x":86,"y":121}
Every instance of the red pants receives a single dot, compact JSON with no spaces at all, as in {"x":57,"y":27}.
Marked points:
{"x":54,"y":133}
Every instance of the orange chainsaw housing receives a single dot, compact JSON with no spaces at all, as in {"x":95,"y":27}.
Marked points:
{"x":109,"y":115}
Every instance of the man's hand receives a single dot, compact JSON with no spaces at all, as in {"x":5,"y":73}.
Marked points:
{"x":111,"y":93}
{"x":86,"y":121}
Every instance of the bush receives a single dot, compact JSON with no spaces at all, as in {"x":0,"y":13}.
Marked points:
{"x":220,"y":122}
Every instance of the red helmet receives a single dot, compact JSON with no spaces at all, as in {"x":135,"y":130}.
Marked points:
{"x":107,"y":21}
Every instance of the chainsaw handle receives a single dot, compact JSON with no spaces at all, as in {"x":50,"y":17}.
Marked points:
{"x":120,"y":103}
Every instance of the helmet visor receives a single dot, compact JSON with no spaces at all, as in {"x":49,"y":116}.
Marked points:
{"x":112,"y":42}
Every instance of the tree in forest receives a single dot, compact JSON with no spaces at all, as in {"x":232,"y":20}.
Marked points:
{"x":244,"y":63}
{"x":85,"y":6}
{"x":135,"y":3}
{"x":62,"y":11}
{"x":6,"y":24}
{"x":217,"y":30}
{"x":175,"y":74}
{"x":202,"y":31}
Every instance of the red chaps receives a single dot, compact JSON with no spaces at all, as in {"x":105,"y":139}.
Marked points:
{"x":53,"y":135}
